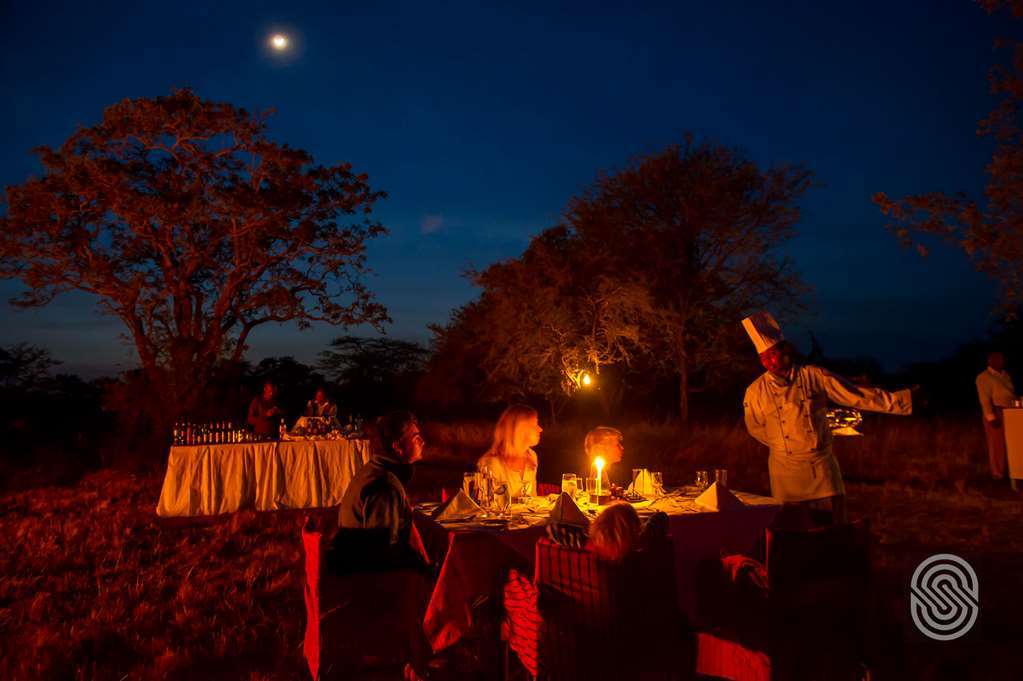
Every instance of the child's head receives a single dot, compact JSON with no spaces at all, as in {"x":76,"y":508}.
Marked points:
{"x":615,"y":532}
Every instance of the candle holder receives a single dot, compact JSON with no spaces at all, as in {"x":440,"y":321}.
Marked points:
{"x":600,"y":499}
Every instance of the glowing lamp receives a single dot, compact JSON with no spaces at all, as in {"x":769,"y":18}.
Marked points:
{"x":279,"y":41}
{"x":586,"y":379}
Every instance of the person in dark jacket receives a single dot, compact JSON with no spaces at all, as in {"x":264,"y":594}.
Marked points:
{"x":264,"y":414}
{"x":376,"y":515}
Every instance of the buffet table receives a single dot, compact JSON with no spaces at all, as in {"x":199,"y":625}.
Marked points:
{"x":265,"y":476}
{"x":478,"y":554}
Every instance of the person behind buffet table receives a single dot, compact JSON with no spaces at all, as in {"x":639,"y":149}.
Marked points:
{"x":320,"y":405}
{"x":608,"y":443}
{"x":995,"y":391}
{"x":511,"y":459}
{"x":786,"y":410}
{"x":264,"y":414}
{"x":376,"y":506}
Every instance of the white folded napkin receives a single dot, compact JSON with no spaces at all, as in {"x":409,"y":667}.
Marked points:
{"x":566,"y":512}
{"x":458,"y":507}
{"x":718,"y":498}
{"x":643,"y":484}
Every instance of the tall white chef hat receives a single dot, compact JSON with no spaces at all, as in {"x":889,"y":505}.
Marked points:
{"x":763,"y":330}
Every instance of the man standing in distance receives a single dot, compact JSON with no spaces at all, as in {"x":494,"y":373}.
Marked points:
{"x":995,"y":390}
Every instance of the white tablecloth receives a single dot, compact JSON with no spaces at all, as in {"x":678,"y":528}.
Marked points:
{"x":213,"y":479}
{"x":1012,"y":417}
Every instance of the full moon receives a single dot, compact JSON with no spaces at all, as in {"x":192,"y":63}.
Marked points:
{"x":279,"y":41}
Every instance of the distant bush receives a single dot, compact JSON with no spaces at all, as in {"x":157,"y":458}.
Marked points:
{"x":924,"y":452}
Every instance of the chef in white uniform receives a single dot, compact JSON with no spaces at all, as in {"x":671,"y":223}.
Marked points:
{"x":786,"y":410}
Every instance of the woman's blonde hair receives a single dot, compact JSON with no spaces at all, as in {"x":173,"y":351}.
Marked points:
{"x":507,"y":427}
{"x":615,"y":532}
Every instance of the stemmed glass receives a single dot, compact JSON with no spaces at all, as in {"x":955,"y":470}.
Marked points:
{"x":657,"y":480}
{"x":502,"y":500}
{"x":469,"y":486}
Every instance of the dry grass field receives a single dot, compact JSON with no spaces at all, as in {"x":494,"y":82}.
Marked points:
{"x":94,"y":586}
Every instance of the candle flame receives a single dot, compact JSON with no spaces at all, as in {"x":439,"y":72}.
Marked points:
{"x":586,"y":379}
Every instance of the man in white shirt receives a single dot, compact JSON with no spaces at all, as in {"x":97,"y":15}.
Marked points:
{"x":786,"y":410}
{"x":995,"y":390}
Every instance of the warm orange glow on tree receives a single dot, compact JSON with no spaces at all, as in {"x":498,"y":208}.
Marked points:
{"x":540,"y":317}
{"x":656,"y":263}
{"x":194,"y":229}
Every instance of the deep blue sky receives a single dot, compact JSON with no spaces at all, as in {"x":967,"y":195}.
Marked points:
{"x":481,"y":122}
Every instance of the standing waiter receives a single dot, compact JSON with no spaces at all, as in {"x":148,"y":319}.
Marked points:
{"x":786,"y":409}
{"x":995,"y":390}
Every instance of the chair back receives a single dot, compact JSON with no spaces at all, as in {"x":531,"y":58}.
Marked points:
{"x":545,"y":488}
{"x":360,"y":614}
{"x":604,"y":619}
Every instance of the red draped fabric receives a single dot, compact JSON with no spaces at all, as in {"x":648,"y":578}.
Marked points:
{"x":730,"y":660}
{"x":475,"y":567}
{"x":312,"y":543}
{"x":523,"y":627}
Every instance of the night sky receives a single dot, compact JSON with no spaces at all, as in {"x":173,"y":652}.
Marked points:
{"x":481,"y":123}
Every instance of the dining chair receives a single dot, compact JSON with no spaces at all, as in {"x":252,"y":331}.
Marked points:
{"x":545,"y":488}
{"x":799,"y":615}
{"x":360,"y":620}
{"x":586,"y":618}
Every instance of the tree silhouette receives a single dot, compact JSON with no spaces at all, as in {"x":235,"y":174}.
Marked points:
{"x":374,"y":374}
{"x":696,"y":227}
{"x":992,"y":235}
{"x":657,"y":261}
{"x":192,"y":227}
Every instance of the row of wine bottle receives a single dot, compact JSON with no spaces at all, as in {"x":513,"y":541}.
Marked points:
{"x":212,"y":433}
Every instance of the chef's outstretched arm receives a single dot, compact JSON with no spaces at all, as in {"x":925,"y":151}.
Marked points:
{"x":843,"y":392}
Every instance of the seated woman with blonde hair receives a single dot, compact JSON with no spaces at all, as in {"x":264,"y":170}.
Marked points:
{"x":511,"y":458}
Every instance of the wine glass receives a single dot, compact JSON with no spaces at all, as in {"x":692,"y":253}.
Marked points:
{"x":657,"y":481}
{"x":702,"y":480}
{"x":502,"y":500}
{"x":569,"y":484}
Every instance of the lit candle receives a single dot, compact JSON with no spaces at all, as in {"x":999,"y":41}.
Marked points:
{"x":599,"y":463}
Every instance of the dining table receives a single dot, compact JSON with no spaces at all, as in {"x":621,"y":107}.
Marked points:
{"x":477,"y":551}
